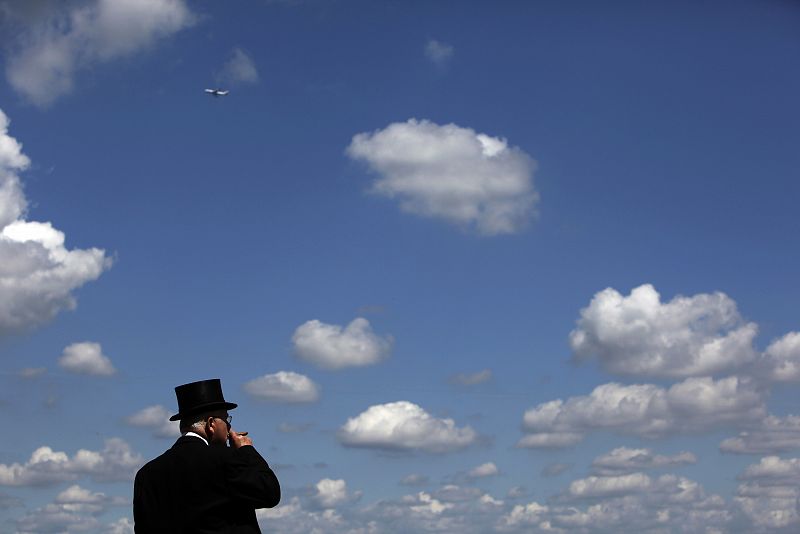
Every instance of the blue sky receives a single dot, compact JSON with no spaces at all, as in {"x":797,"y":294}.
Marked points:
{"x":465,"y":266}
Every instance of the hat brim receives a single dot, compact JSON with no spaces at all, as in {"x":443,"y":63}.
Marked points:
{"x":204,"y":408}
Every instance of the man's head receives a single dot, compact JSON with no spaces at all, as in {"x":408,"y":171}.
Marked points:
{"x":201,"y":406}
{"x":214,"y":426}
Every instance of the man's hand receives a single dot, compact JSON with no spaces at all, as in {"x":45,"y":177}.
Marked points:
{"x":238,"y":439}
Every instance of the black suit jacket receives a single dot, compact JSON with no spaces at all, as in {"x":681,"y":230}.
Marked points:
{"x":197,"y":488}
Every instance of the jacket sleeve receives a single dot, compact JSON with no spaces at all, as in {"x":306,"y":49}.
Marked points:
{"x":250,"y":478}
{"x":141,"y":503}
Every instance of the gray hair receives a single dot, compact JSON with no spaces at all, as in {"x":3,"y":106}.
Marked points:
{"x":193,"y":422}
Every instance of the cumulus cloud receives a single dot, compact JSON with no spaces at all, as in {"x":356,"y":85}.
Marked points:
{"x":12,"y":161}
{"x":74,"y":510}
{"x":78,"y":499}
{"x":156,"y":418}
{"x":291,"y":517}
{"x":645,"y":512}
{"x":452,"y":509}
{"x":116,"y":462}
{"x":687,"y":336}
{"x":646,"y":410}
{"x":609,"y":485}
{"x":239,"y":69}
{"x":770,"y":436}
{"x":46,"y":56}
{"x":781,"y":361}
{"x":56,"y":518}
{"x":488,"y":469}
{"x":770,"y":493}
{"x":333,"y":347}
{"x":123,"y":525}
{"x":448,"y":172}
{"x":283,"y":386}
{"x":329,"y":493}
{"x":773,"y":468}
{"x":625,"y":460}
{"x":404,"y":426}
{"x":527,"y":515}
{"x":438,"y":52}
{"x":86,"y":358}
{"x":472,"y":379}
{"x":636,"y":503}
{"x":37,"y":272}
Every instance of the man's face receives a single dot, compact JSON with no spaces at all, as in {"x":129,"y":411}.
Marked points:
{"x":217,"y":428}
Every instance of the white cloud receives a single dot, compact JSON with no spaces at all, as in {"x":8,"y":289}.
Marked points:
{"x":56,"y":518}
{"x":646,"y":512}
{"x":37,"y":272}
{"x":331,"y":347}
{"x":472,"y":379}
{"x":12,"y":160}
{"x":156,"y":418}
{"x":123,"y":525}
{"x":688,"y":336}
{"x":47,"y":56}
{"x":329,"y":493}
{"x":624,"y":460}
{"x":424,"y":504}
{"x":438,"y":52}
{"x":636,"y":502}
{"x":283,"y":386}
{"x":292,"y":518}
{"x":775,"y":468}
{"x":116,"y":462}
{"x":488,"y":469}
{"x":770,"y":493}
{"x":86,"y":358}
{"x":530,"y":514}
{"x":75,"y":509}
{"x":781,"y":361}
{"x":404,"y":426}
{"x":451,"y":509}
{"x":647,"y":410}
{"x":451,"y":173}
{"x":611,"y":485}
{"x":771,"y":435}
{"x":239,"y":69}
{"x":78,"y":499}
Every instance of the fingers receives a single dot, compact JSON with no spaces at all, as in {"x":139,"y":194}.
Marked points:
{"x":238,"y":439}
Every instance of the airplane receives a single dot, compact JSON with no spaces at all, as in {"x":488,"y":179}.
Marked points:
{"x":217,"y":92}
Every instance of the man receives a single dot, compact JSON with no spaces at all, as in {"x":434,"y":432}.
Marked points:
{"x":200,"y":484}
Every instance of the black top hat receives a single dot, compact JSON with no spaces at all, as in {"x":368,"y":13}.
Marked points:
{"x":198,"y":397}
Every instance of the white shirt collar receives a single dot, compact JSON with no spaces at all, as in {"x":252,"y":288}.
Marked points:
{"x":197,"y":436}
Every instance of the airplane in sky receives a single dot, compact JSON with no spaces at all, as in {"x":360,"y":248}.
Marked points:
{"x":217,"y":92}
